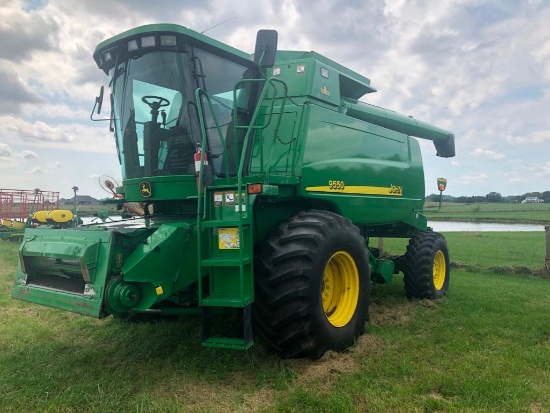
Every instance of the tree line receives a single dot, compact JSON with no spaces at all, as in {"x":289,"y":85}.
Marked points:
{"x":491,"y":197}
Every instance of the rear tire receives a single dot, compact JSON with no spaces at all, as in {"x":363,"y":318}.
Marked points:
{"x":312,"y":286}
{"x":427,"y":266}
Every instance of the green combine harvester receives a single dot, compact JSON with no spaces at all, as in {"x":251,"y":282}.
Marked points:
{"x":263,"y":180}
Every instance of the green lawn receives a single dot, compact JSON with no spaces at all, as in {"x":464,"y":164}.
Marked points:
{"x":535,"y":213}
{"x":484,"y":347}
{"x":483,"y":250}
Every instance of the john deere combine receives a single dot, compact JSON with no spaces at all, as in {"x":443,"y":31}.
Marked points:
{"x":263,"y":180}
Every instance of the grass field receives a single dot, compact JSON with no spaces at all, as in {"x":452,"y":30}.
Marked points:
{"x":485,"y":347}
{"x":489,"y":212}
{"x":495,"y":251}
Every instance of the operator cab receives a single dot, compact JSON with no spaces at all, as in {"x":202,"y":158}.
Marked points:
{"x":154,"y":76}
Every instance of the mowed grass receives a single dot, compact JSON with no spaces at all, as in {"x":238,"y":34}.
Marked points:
{"x":489,"y":212}
{"x":498,"y":251}
{"x":484,"y":347}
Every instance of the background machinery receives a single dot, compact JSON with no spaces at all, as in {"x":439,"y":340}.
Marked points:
{"x":262,"y":180}
{"x":23,"y":208}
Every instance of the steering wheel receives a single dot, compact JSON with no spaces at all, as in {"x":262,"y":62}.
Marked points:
{"x":160,"y":102}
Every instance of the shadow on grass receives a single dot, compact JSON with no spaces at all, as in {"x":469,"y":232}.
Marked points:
{"x":503,"y":269}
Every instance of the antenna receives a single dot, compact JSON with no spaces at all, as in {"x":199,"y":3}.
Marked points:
{"x":219,"y":24}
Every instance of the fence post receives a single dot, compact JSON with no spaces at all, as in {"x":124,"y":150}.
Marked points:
{"x":381,"y":245}
{"x":547,"y":258}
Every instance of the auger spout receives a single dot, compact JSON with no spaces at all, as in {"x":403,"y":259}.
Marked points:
{"x":443,"y":140}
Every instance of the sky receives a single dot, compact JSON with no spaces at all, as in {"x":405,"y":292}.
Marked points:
{"x":479,"y":68}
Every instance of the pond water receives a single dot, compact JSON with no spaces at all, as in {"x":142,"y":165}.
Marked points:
{"x":443,"y":226}
{"x":453,"y":226}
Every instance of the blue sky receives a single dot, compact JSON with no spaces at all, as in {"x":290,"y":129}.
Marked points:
{"x":479,"y":68}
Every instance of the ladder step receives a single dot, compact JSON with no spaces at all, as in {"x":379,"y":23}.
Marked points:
{"x":228,"y":343}
{"x":225,"y":262}
{"x":226,"y":301}
{"x":223,"y":223}
{"x":243,"y":342}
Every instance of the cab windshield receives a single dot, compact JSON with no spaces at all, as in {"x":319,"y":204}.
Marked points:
{"x":156,"y":114}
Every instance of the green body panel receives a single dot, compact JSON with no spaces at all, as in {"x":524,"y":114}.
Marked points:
{"x":162,"y":188}
{"x":350,"y":84}
{"x":354,"y":165}
{"x":312,"y":145}
{"x":157,"y":252}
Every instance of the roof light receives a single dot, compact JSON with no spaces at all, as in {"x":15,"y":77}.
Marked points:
{"x":148,"y":41}
{"x":107,"y":57}
{"x":132,"y":45}
{"x":166,"y":40}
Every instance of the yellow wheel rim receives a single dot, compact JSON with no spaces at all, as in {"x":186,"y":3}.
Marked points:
{"x":439,"y":270}
{"x":340,"y":289}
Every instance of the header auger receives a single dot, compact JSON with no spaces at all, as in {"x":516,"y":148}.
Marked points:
{"x":262,"y":180}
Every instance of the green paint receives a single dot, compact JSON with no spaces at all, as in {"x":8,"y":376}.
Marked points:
{"x":299,"y":132}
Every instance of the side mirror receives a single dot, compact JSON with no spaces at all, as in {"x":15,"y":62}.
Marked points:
{"x":99,"y":100}
{"x":98,"y":104}
{"x":266,"y":47}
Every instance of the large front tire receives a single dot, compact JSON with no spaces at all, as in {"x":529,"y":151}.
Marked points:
{"x":313,"y":286}
{"x":427,"y":269}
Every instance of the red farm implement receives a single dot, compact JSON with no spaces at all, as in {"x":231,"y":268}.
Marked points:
{"x":17,"y":207}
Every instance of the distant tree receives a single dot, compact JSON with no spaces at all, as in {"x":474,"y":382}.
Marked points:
{"x":462,"y":199}
{"x":493,"y":197}
{"x":432,"y":198}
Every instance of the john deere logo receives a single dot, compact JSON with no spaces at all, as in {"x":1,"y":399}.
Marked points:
{"x":145,"y":189}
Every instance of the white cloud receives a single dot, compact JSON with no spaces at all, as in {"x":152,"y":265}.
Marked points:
{"x":487,"y":154}
{"x":472,"y":179}
{"x":28,"y":154}
{"x":536,"y":137}
{"x":72,"y":136}
{"x":5,"y":151}
{"x":36,"y":170}
{"x":479,"y":69}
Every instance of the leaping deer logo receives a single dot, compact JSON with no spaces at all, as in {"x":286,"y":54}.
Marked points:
{"x":145,"y":189}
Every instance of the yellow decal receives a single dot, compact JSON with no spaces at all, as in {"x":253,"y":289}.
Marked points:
{"x":341,"y":188}
{"x":336,"y":185}
{"x":325,"y":91}
{"x":228,"y":238}
{"x":396,"y":190}
{"x":119,"y":260}
{"x":159,"y":290}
